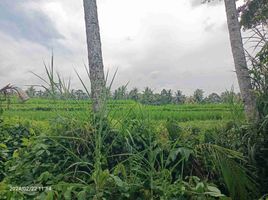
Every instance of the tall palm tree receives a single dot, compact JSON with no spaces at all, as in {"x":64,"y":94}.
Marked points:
{"x":94,"y":54}
{"x":240,"y":62}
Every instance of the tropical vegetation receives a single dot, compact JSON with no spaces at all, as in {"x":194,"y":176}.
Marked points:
{"x":64,"y":143}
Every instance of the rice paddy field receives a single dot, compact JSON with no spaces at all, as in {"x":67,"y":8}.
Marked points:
{"x":203,"y":116}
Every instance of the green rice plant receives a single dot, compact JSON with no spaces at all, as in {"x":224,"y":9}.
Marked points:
{"x":43,"y":108}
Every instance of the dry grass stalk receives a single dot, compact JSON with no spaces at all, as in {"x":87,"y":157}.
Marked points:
{"x":21,"y":94}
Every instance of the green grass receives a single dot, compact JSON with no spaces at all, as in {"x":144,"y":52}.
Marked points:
{"x":197,"y":115}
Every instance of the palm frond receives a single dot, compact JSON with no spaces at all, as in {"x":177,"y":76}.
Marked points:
{"x":229,"y":164}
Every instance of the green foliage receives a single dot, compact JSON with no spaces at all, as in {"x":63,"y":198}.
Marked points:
{"x":179,"y":97}
{"x":255,"y":136}
{"x":198,"y":95}
{"x":213,"y":98}
{"x":133,"y":94}
{"x":78,"y":158}
{"x":139,"y":152}
{"x":226,"y":163}
{"x":12,"y":138}
{"x":120,"y":93}
{"x":251,"y":140}
{"x":165,"y":97}
{"x":147,"y":96}
{"x":254,"y":13}
{"x":235,"y":105}
{"x":173,"y":129}
{"x":259,"y":75}
{"x":44,"y":109}
{"x":82,"y":160}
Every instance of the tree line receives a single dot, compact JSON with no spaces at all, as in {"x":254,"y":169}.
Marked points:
{"x":167,"y":96}
{"x":146,"y":96}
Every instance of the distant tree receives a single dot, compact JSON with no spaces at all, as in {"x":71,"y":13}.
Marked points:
{"x":79,"y":94}
{"x":31,"y":92}
{"x":134,"y":94}
{"x":166,"y":96}
{"x":213,"y":98}
{"x":147,"y":96}
{"x":39,"y":93}
{"x":198,"y":95}
{"x":120,"y":93}
{"x":228,"y":96}
{"x":157,"y":99}
{"x":190,"y":100}
{"x":179,"y":97}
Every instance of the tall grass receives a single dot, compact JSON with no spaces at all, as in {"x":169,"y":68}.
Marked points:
{"x":130,"y":159}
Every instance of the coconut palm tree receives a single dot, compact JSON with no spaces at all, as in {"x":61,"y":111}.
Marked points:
{"x":94,"y":54}
{"x":240,"y":62}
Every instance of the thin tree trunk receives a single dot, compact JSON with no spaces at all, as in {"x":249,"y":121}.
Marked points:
{"x":94,"y":54}
{"x":240,"y":62}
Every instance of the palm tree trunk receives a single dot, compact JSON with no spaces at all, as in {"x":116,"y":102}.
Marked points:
{"x":240,"y":62}
{"x":94,"y":54}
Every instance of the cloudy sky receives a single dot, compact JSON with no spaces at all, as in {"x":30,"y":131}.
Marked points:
{"x":176,"y":44}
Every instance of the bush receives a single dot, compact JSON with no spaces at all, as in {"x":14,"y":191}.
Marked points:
{"x":12,"y":138}
{"x":92,"y":160}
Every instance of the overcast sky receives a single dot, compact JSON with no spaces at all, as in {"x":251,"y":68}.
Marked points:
{"x":176,"y":44}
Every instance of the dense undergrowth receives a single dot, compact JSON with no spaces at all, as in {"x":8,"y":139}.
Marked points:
{"x":77,"y":155}
{"x":134,"y":156}
{"x":71,"y":158}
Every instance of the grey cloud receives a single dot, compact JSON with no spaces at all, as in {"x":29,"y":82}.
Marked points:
{"x":6,"y":69}
{"x":197,"y":3}
{"x":20,"y":22}
{"x":167,"y":63}
{"x":208,"y":26}
{"x":161,"y":55}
